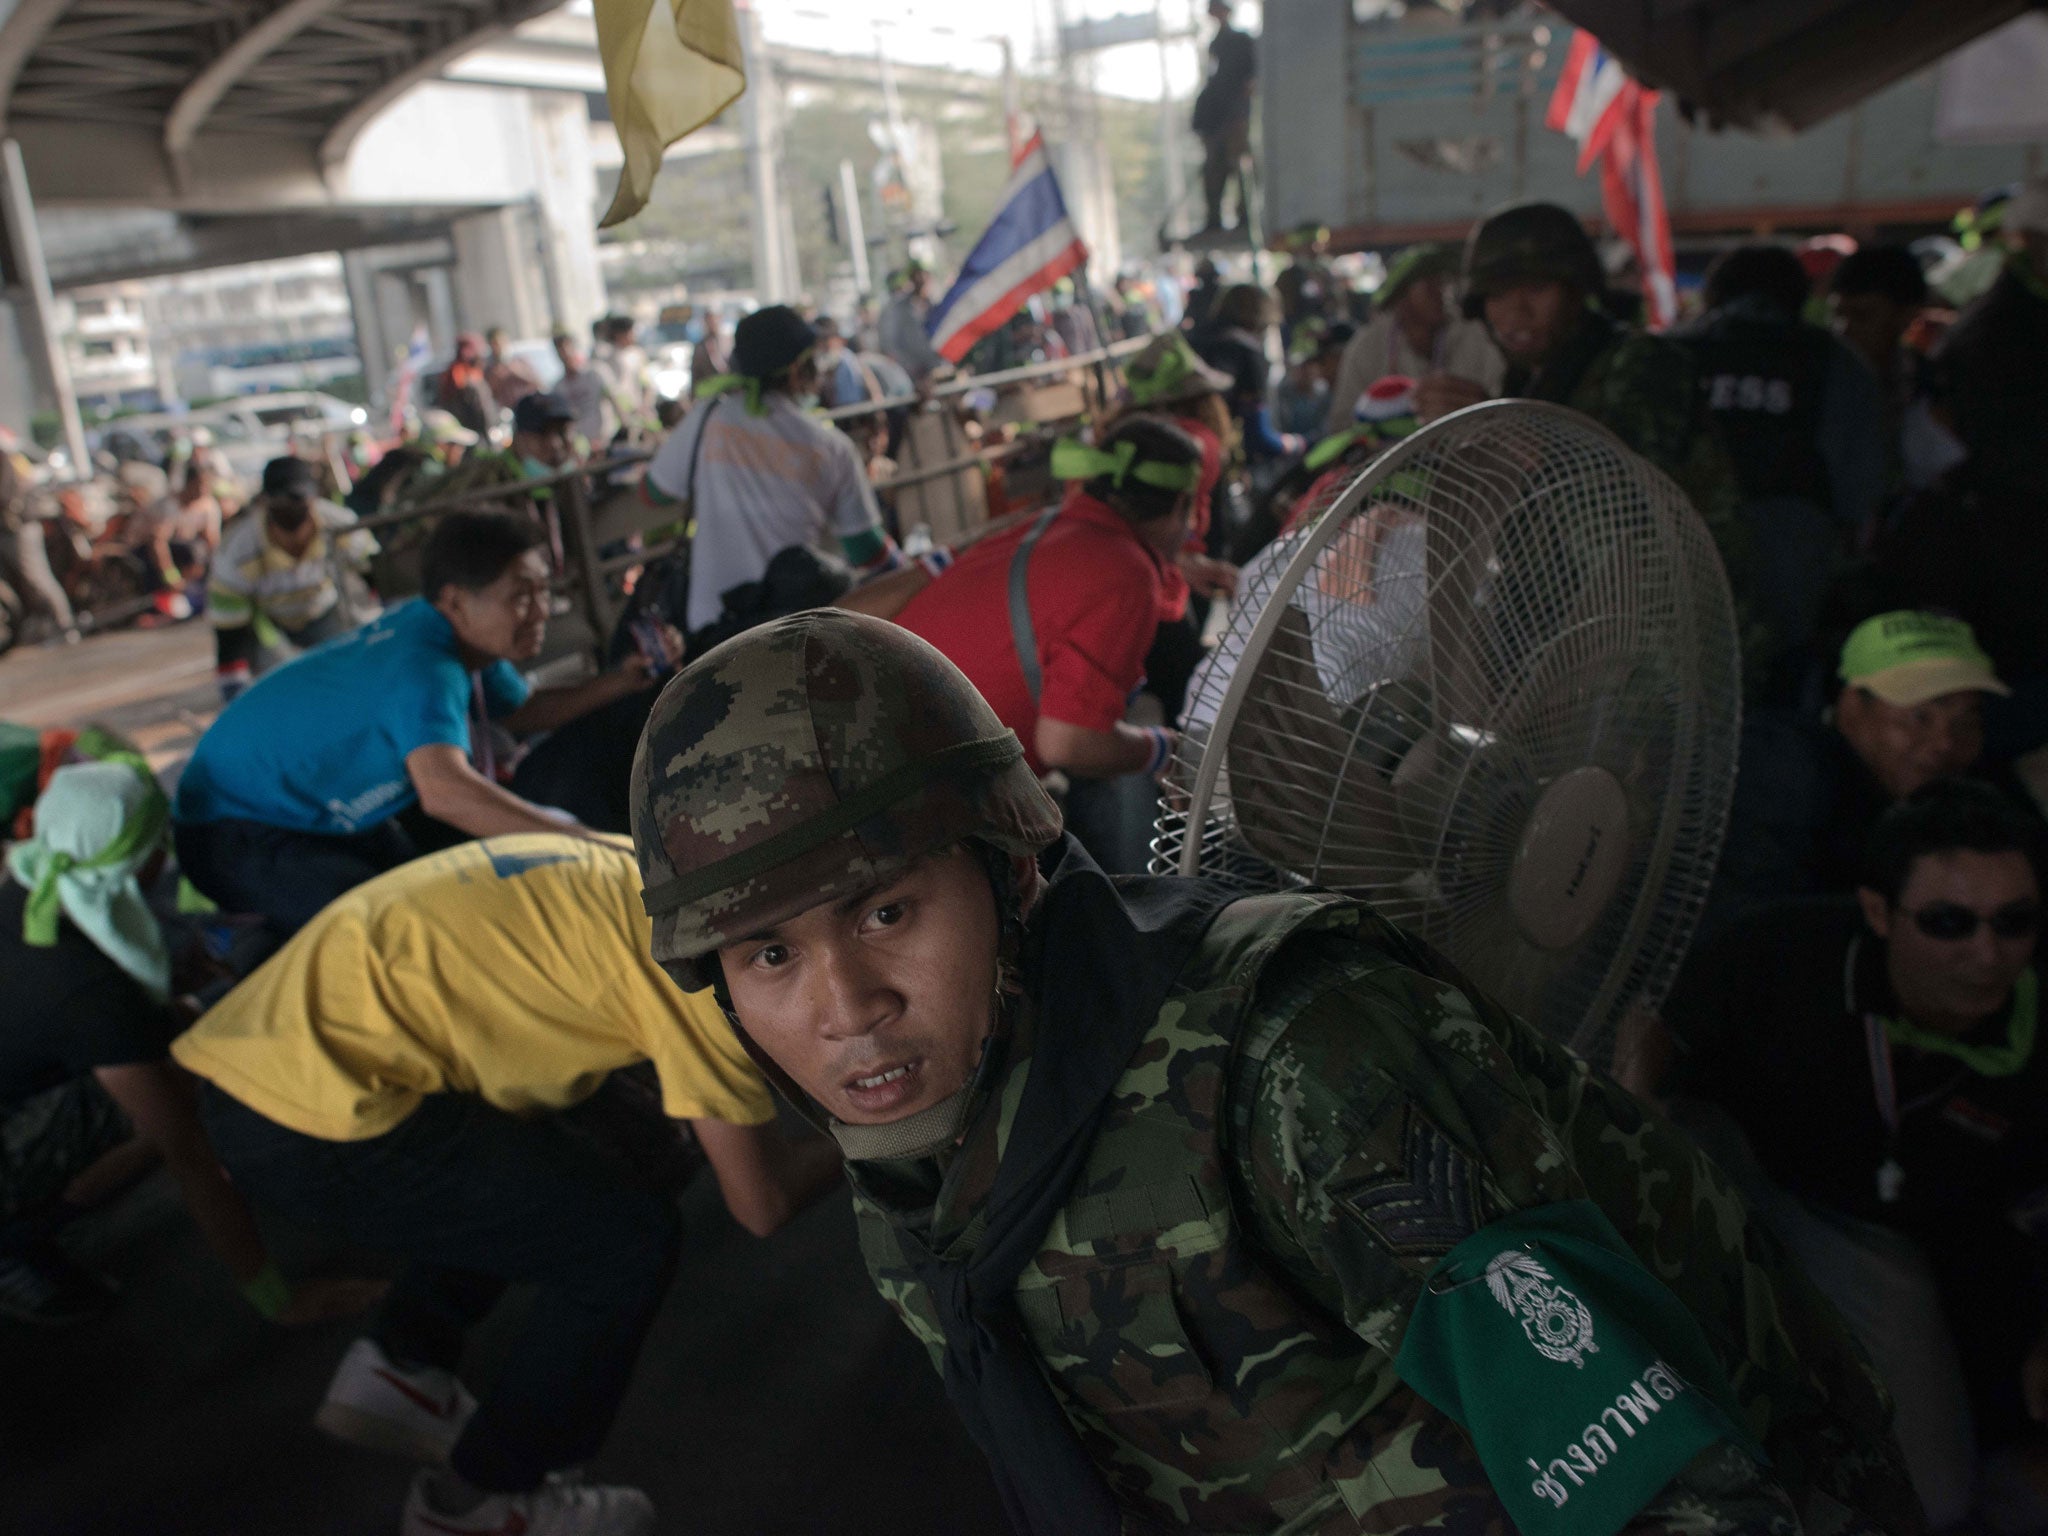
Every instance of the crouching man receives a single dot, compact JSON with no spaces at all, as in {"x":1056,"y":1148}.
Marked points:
{"x":389,"y":1075}
{"x":1218,"y":1213}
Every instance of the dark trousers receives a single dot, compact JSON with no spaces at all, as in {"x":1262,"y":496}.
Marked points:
{"x":586,"y":766}
{"x":1222,"y":153}
{"x":284,"y":876}
{"x":475,"y":1199}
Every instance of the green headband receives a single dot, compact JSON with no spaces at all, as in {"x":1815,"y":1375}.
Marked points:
{"x":141,"y":831}
{"x":1073,"y":459}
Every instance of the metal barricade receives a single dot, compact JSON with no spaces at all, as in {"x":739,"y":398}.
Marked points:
{"x":940,"y":485}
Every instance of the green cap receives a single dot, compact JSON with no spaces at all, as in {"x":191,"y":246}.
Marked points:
{"x":1909,"y":657}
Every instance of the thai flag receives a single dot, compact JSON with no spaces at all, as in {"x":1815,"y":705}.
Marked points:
{"x":1614,"y":120}
{"x":1632,"y":194}
{"x":1028,"y":246}
{"x":1591,"y":97}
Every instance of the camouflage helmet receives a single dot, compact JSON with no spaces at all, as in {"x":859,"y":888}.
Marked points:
{"x":809,"y":759}
{"x":1526,"y":242}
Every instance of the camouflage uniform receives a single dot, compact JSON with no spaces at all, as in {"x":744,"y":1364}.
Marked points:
{"x":1221,"y":1301}
{"x":1320,"y":1111}
{"x":1644,"y":389}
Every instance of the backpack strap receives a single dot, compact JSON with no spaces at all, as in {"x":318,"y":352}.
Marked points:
{"x":1022,"y":634}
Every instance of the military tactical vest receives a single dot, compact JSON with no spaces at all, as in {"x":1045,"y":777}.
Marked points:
{"x":1763,"y":381}
{"x":1214,"y":1396}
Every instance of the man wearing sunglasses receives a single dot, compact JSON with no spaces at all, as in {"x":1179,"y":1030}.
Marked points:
{"x":1909,"y":710}
{"x":1879,"y":1057}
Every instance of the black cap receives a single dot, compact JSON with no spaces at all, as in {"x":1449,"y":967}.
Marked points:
{"x":290,"y":477}
{"x":769,"y":340}
{"x":538,"y":412}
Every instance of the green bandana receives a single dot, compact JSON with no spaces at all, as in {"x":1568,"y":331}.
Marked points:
{"x":96,"y":825}
{"x":1073,"y":459}
{"x":1585,"y":1385}
{"x":2004,"y":1059}
{"x":1337,"y":444}
{"x":1171,"y":365}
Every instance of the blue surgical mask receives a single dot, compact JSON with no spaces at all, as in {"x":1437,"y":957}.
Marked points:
{"x":534,"y":468}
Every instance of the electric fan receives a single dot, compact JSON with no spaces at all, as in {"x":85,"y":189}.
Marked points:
{"x":1490,"y":685}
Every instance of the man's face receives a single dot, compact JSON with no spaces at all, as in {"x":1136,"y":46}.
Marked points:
{"x":1167,"y":536}
{"x":570,"y":354}
{"x":1905,"y":747}
{"x":1967,"y":967}
{"x":507,"y":620}
{"x":1530,"y":318}
{"x":291,"y":521}
{"x":496,"y":342}
{"x":550,"y":446}
{"x":1421,"y":306}
{"x":1872,"y":325}
{"x":877,"y":1005}
{"x":920,"y":280}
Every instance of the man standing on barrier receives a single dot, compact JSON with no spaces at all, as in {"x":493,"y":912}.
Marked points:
{"x":1215,"y":1213}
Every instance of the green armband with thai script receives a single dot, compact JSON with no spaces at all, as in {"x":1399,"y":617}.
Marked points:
{"x":269,"y":1293}
{"x":1585,"y":1384}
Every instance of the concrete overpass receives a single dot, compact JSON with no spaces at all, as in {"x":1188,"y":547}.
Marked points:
{"x":217,"y":105}
{"x":162,"y":135}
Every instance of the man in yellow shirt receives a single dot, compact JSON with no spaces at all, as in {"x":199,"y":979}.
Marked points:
{"x":389,"y":1074}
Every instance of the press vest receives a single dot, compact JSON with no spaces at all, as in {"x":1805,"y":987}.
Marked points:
{"x":1763,"y":381}
{"x":1124,"y":1305}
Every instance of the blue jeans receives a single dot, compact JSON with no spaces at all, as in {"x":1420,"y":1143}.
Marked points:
{"x":475,"y":1199}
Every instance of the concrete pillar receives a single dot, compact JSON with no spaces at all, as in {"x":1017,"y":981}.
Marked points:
{"x":35,"y":311}
{"x":497,"y":279}
{"x":565,"y":204}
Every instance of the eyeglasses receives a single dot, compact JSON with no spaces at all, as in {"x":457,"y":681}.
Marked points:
{"x":1950,"y":923}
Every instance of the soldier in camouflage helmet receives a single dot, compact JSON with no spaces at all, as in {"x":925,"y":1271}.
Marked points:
{"x":1219,"y":1213}
{"x":1532,"y":275}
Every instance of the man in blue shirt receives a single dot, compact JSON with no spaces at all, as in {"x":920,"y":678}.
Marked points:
{"x":293,"y":796}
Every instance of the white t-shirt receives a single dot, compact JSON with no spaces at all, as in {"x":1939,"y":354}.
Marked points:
{"x":763,"y":484}
{"x":1355,"y":644}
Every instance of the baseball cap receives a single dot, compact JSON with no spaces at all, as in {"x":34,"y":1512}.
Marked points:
{"x":1909,"y":657}
{"x":290,"y":477}
{"x":537,"y":412}
{"x":440,"y":429}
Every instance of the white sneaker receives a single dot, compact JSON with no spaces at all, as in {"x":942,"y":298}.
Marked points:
{"x":374,"y":1403}
{"x":561,"y":1506}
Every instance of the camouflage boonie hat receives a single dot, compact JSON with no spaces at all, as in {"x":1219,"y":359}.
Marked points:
{"x":1524,"y":242}
{"x":809,"y":759}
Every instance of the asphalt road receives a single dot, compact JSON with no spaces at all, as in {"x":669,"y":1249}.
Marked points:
{"x":776,"y":1394}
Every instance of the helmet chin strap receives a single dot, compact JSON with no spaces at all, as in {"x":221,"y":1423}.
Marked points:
{"x":937,"y":1128}
{"x":931,"y":1131}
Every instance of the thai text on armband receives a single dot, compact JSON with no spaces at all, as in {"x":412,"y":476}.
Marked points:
{"x":1644,"y":1397}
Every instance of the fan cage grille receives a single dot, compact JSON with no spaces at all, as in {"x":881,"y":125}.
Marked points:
{"x":1505,"y":597}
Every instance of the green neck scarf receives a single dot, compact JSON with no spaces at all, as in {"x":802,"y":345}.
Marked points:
{"x":726,"y":383}
{"x":2002,"y":1059}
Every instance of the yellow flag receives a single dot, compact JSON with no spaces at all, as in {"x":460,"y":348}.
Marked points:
{"x":670,"y":66}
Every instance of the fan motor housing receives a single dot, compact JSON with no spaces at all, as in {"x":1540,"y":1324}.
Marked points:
{"x":1573,"y":853}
